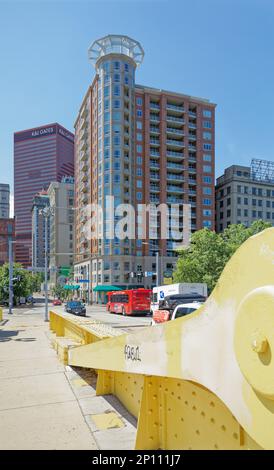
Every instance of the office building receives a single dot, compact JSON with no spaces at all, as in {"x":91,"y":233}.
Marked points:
{"x":40,"y":204}
{"x":6,"y":233}
{"x":4,"y":201}
{"x":61,"y":201}
{"x":245,"y":194}
{"x":140,"y":145}
{"x":41,"y":155}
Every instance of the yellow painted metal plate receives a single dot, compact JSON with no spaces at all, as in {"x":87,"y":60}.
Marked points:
{"x":108,"y":420}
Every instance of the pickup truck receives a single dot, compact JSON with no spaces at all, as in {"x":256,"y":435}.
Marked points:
{"x":162,"y":315}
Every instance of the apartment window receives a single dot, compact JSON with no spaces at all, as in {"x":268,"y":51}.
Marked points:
{"x":116,"y":116}
{"x":246,"y":201}
{"x":106,"y":91}
{"x":139,"y":160}
{"x":239,"y":189}
{"x":268,"y":192}
{"x":207,"y":135}
{"x":207,"y":191}
{"x":254,"y":191}
{"x":207,"y":124}
{"x":238,"y":173}
{"x":139,"y":148}
{"x":260,"y":203}
{"x":272,"y":193}
{"x":228,"y":213}
{"x":116,"y":65}
{"x":117,"y":104}
{"x":260,"y":192}
{"x":139,"y":125}
{"x":239,"y":212}
{"x":139,"y":196}
{"x":267,"y":203}
{"x":207,"y":146}
{"x":245,"y":212}
{"x":253,"y":214}
{"x":117,"y":153}
{"x":139,"y":171}
{"x":207,"y":168}
{"x":207,"y":212}
{"x":139,"y":184}
{"x":268,"y":215}
{"x":254,"y":202}
{"x":207,"y":202}
{"x":116,"y":178}
{"x":207,"y":113}
{"x":139,"y":136}
{"x":139,"y":101}
{"x":246,"y":189}
{"x":126,"y":67}
{"x":260,"y":214}
{"x":116,"y":140}
{"x":117,"y":77}
{"x":228,"y":202}
{"x":221,"y":203}
{"x":116,"y":90}
{"x":139,"y":113}
{"x":272,"y":204}
{"x":207,"y":223}
{"x":239,"y":200}
{"x":207,"y":157}
{"x":207,"y":179}
{"x":272,"y":215}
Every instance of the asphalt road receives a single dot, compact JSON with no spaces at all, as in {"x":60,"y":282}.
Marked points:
{"x":95,"y":312}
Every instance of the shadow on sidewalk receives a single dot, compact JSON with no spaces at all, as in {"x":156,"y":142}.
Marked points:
{"x":8,"y":335}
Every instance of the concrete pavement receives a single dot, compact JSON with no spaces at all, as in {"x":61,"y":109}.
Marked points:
{"x":45,"y":405}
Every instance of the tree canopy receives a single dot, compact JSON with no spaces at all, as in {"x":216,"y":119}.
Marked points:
{"x":25,"y":284}
{"x":208,"y":253}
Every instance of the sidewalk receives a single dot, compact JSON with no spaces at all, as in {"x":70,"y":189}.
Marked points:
{"x":45,"y":405}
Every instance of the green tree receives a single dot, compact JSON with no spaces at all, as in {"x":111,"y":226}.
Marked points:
{"x":59,"y":291}
{"x":208,"y":253}
{"x":22,"y":285}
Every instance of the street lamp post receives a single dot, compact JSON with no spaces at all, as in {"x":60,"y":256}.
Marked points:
{"x":10,"y":277}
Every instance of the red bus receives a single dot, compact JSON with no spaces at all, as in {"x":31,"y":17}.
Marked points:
{"x":129,"y":302}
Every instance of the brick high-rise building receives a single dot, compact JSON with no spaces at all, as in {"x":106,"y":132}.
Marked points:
{"x":41,"y":155}
{"x":141,"y":145}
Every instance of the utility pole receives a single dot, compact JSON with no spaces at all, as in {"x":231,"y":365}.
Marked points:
{"x":158,"y":273}
{"x":46,"y":215}
{"x":10,"y":277}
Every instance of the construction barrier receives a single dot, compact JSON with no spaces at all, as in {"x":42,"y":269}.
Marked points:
{"x":204,"y":381}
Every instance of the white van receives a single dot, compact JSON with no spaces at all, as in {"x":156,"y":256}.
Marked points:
{"x":184,"y":288}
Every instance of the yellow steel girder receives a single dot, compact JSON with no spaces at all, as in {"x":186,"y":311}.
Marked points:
{"x":223,"y":353}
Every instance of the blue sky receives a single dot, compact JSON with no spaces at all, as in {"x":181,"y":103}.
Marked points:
{"x":216,"y":49}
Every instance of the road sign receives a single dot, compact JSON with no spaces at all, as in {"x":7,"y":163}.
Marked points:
{"x":83,"y":280}
{"x":148,"y":273}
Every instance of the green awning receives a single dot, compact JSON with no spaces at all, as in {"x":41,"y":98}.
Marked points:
{"x":69,"y":287}
{"x":106,"y":288}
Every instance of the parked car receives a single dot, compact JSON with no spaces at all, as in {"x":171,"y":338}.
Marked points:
{"x":163,"y":315}
{"x":57,"y":302}
{"x":76,"y":307}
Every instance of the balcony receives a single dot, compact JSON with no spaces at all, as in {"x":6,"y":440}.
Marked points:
{"x":192,"y":137}
{"x":154,"y":164}
{"x":175,"y":155}
{"x":173,"y":130}
{"x":192,"y":191}
{"x":174,"y":189}
{"x":155,"y":142}
{"x":175,"y":120}
{"x":174,"y":177}
{"x":154,"y":199}
{"x":175,"y":200}
{"x":192,"y":159}
{"x":192,"y":170}
{"x":175,"y":108}
{"x":154,"y":154}
{"x":175,"y":143}
{"x":154,"y":106}
{"x":192,"y":147}
{"x":192,"y":182}
{"x":155,"y":176}
{"x":154,"y":130}
{"x":175,"y":166}
{"x":192,"y":114}
{"x":154,"y":188}
{"x":154,"y":118}
{"x":191,"y":125}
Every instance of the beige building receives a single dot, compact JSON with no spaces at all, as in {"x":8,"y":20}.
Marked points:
{"x":61,"y":200}
{"x":245,"y":194}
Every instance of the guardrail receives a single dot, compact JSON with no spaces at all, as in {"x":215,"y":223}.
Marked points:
{"x":204,"y":381}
